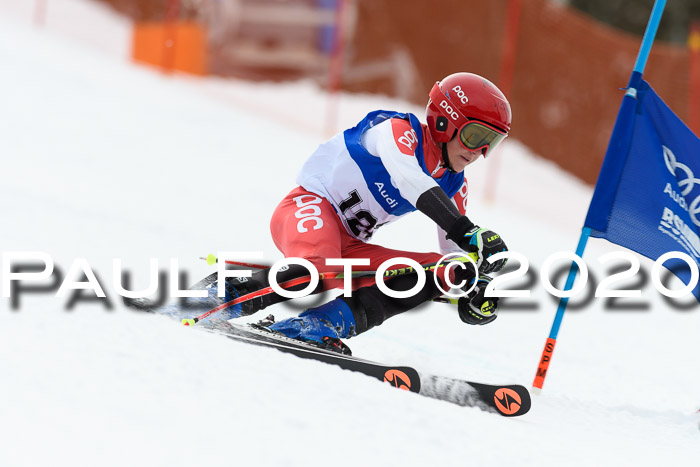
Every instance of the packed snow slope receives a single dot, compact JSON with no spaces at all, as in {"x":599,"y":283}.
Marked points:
{"x":102,"y":159}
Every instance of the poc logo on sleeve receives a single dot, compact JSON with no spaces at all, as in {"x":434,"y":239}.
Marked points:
{"x":408,"y":139}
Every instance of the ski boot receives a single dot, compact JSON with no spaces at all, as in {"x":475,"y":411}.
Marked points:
{"x":322,"y":326}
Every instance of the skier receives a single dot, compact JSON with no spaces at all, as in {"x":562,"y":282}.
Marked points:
{"x":367,"y":176}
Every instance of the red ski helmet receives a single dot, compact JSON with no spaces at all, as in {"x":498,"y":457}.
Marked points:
{"x":472,"y":106}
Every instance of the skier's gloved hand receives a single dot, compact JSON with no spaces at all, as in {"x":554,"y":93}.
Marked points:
{"x":484,"y":243}
{"x":475,"y":308}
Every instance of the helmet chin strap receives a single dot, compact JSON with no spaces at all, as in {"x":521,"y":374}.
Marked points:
{"x":446,"y":160}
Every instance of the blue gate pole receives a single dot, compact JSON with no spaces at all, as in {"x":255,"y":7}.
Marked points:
{"x":640,"y":64}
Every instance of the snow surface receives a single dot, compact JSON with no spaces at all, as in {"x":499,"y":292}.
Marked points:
{"x":102,"y":159}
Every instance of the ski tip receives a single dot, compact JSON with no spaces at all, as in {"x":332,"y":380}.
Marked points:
{"x":211,"y":259}
{"x":536,"y":391}
{"x":512,"y":401}
{"x":188,"y":322}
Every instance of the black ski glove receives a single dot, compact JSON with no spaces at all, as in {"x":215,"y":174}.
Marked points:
{"x":475,"y":308}
{"x":480,"y":242}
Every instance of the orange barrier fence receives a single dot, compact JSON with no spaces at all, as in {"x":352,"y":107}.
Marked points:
{"x":172,"y":46}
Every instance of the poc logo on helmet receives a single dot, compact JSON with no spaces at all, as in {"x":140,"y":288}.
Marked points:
{"x":462,"y":97}
{"x":449,"y":109}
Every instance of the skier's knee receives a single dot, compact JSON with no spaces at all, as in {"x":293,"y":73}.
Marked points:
{"x":371,"y":307}
{"x":239,"y":286}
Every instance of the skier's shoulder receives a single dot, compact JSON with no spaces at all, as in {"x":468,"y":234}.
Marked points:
{"x":402,"y":131}
{"x":404,"y":135}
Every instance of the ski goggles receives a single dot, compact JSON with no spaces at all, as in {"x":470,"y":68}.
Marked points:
{"x":475,"y":135}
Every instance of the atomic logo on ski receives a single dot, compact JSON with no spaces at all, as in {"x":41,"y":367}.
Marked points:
{"x":398,"y":379}
{"x":507,"y":401}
